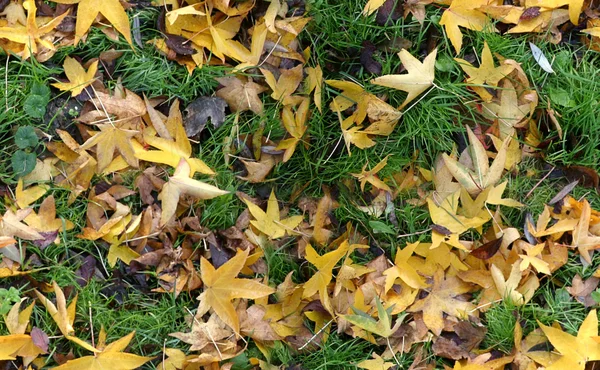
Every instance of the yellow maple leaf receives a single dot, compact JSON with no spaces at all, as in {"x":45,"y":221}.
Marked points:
{"x":270,"y":222}
{"x":513,"y":289}
{"x":109,"y":139}
{"x":31,"y":35}
{"x":108,"y":356}
{"x":577,"y":350}
{"x":441,"y":300}
{"x":575,"y":7}
{"x":481,"y":175}
{"x":172,"y":148}
{"x":63,"y":315}
{"x":403,"y":270}
{"x":286,"y":84}
{"x":295,"y":124}
{"x":181,"y":183}
{"x":419,"y":78}
{"x":78,"y":77}
{"x":13,"y":345}
{"x":322,"y":277}
{"x":88,"y":10}
{"x":377,"y":363}
{"x":372,"y":6}
{"x":485,"y":73}
{"x":466,"y":14}
{"x":222,"y":286}
{"x":25,"y":197}
{"x":371,"y":176}
{"x":45,"y":220}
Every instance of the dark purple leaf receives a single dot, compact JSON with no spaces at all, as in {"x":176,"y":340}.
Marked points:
{"x":440,"y":229}
{"x":48,"y":238}
{"x":40,"y":339}
{"x":487,"y":250}
{"x":563,"y":193}
{"x":389,"y":12}
{"x":530,"y":13}
{"x":366,"y":58}
{"x":179,"y":44}
{"x":198,"y":112}
{"x":86,"y":270}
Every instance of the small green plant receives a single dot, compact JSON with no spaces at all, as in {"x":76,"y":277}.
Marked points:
{"x":37,"y":100}
{"x":23,"y":160}
{"x":7,"y":298}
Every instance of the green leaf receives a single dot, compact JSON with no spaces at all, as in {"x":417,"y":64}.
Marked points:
{"x":595,"y":296}
{"x":22,"y":163}
{"x":381,"y":228}
{"x":35,"y":106}
{"x":7,"y":298}
{"x":382,"y":327}
{"x":26,"y":137}
{"x":41,"y":90}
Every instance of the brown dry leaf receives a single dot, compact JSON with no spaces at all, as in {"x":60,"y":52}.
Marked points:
{"x":241,"y":94}
{"x":205,"y":334}
{"x":257,"y":171}
{"x":11,"y":225}
{"x":582,"y":290}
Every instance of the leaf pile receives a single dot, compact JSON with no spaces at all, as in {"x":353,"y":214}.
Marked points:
{"x":136,"y":164}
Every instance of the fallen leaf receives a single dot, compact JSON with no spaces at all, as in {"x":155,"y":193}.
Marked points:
{"x":442,"y":299}
{"x":575,"y":351}
{"x":222,"y":286}
{"x":179,"y":184}
{"x":419,"y":78}
{"x":269,"y":222}
{"x":88,"y":10}
{"x":78,"y":77}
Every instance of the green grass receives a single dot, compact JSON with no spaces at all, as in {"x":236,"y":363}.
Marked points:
{"x":427,"y":127}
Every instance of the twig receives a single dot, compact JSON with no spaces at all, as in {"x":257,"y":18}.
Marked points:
{"x":141,"y":237}
{"x":163,"y":354}
{"x":417,"y":233}
{"x":392,"y":351}
{"x":102,"y":105}
{"x":316,"y":334}
{"x":91,"y":323}
{"x":485,"y":304}
{"x":270,"y":52}
{"x":539,"y":182}
{"x":6,"y":82}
